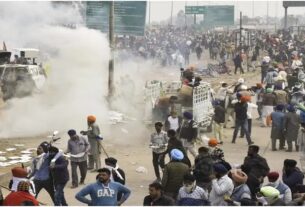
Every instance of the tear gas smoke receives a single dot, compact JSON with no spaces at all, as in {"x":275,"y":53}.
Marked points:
{"x":77,"y":82}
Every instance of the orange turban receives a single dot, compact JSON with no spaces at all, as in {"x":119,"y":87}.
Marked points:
{"x":213,"y":142}
{"x":91,"y":118}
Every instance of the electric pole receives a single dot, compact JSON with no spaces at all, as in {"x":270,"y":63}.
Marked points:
{"x":111,"y":61}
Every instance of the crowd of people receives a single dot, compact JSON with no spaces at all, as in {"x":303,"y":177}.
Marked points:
{"x":206,"y":178}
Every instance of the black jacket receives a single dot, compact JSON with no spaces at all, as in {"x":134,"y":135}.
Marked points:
{"x":116,"y":178}
{"x":189,"y":131}
{"x":60,"y":173}
{"x":258,"y":164}
{"x":203,"y":168}
{"x":241,"y":110}
{"x":162,"y":201}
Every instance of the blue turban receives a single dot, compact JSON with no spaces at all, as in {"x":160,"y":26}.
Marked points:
{"x":290,"y":108}
{"x":188,"y":115}
{"x":176,"y":154}
{"x":220,"y":168}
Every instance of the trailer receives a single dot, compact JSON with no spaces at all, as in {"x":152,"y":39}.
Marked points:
{"x":172,"y":95}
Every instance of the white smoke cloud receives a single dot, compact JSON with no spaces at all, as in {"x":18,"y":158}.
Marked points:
{"x":77,"y":83}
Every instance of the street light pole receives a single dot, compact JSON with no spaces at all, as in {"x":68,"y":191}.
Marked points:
{"x":172,"y":12}
{"x":111,"y":61}
{"x":240,"y":29}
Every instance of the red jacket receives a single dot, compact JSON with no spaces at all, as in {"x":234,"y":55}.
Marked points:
{"x":17,"y":198}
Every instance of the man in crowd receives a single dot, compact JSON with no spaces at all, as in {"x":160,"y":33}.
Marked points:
{"x":94,"y":139}
{"x":291,"y":126}
{"x":238,"y":63}
{"x":158,"y":143}
{"x":174,"y":143}
{"x":277,"y":118}
{"x":241,"y":190}
{"x":41,"y":171}
{"x":268,"y":102}
{"x":173,"y":122}
{"x":203,"y":168}
{"x":219,"y":120}
{"x":173,"y":174}
{"x":191,"y":194}
{"x":117,"y":174}
{"x":292,"y":176}
{"x":79,"y":147}
{"x":21,"y":197}
{"x":259,"y":166}
{"x":222,"y":186}
{"x":188,"y":133}
{"x":60,"y":176}
{"x":241,"y":108}
{"x":104,"y":192}
{"x":285,"y":192}
{"x":156,"y":197}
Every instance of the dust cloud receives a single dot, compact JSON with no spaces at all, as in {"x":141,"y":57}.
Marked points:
{"x":78,"y":80}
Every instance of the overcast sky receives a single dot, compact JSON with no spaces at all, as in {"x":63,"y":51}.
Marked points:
{"x":161,"y":10}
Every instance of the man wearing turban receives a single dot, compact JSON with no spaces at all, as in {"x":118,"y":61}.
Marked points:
{"x":94,"y":139}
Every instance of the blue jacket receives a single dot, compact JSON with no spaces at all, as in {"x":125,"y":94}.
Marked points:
{"x":43,"y":172}
{"x":293,"y":179}
{"x":102,"y":195}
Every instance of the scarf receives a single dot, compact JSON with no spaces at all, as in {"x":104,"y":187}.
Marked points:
{"x":116,"y":171}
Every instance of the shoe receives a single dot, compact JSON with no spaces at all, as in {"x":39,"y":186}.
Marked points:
{"x":250,"y":143}
{"x":221,"y":142}
{"x":91,"y":168}
{"x":73,"y":186}
{"x":81,"y":183}
{"x":233,"y":127}
{"x":233,"y":142}
{"x":274,"y":150}
{"x":289,"y":150}
{"x":241,"y":136}
{"x":94,"y":170}
{"x":282,"y":148}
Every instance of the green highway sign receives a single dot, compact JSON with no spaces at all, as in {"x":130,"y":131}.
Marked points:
{"x":219,"y":16}
{"x":222,"y":15}
{"x":194,"y":9}
{"x":129,"y":16}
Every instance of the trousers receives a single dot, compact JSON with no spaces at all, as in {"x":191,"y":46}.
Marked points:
{"x":94,"y":160}
{"x":189,"y":146}
{"x":158,"y":160}
{"x":60,"y":195}
{"x":47,"y":185}
{"x":218,"y":130}
{"x":244,"y":125}
{"x":83,"y":172}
